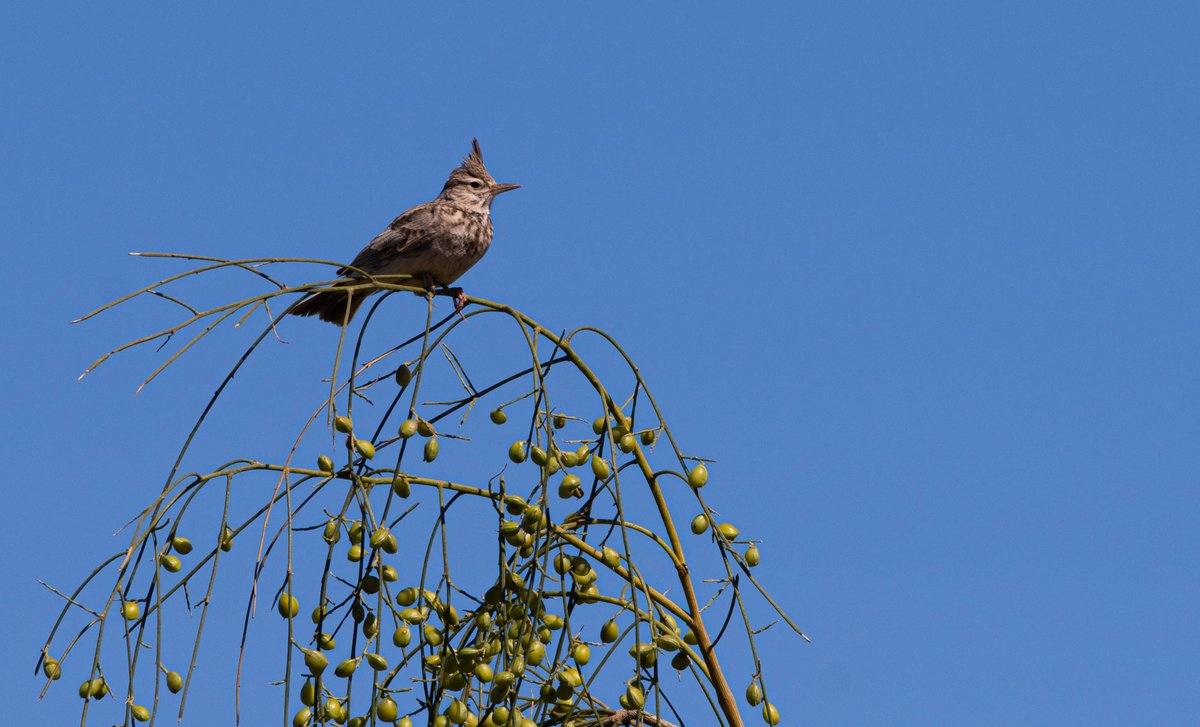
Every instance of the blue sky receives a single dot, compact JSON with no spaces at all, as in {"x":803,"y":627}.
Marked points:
{"x":921,"y":276}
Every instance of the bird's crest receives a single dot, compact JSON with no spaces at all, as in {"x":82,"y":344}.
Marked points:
{"x":473,"y":164}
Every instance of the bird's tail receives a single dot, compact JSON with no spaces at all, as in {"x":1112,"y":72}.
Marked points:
{"x":331,"y":305}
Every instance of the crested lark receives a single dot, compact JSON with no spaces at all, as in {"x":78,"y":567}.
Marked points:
{"x":435,"y":243}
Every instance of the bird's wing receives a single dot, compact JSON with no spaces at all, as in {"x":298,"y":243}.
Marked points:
{"x":407,"y":234}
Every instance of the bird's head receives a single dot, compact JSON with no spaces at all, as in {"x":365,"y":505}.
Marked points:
{"x":471,"y":186}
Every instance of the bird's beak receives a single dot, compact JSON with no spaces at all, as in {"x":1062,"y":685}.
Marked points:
{"x":502,"y":188}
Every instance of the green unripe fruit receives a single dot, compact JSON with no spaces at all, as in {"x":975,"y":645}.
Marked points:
{"x":386,"y":709}
{"x":571,"y":677}
{"x":365,"y":448}
{"x":552,"y":464}
{"x":302,"y":717}
{"x":600,"y":467}
{"x":93,"y":688}
{"x":343,"y":424}
{"x":378,"y":537}
{"x":690,"y":638}
{"x":500,"y":715}
{"x":560,"y":421}
{"x":318,"y":613}
{"x":227,"y":539}
{"x":370,"y":585}
{"x":635,"y":696}
{"x":514,"y":504}
{"x":679,"y":662}
{"x":181,"y":545}
{"x":609,"y":632}
{"x":581,"y":653}
{"x":648,"y":437}
{"x":139,"y":713}
{"x":407,"y":597}
{"x":752,"y":556}
{"x":401,"y":486}
{"x":51,"y":668}
{"x":431,"y":449}
{"x":355,"y":553}
{"x":728,"y":531}
{"x":332,"y":533}
{"x":699,"y":524}
{"x":174,"y":682}
{"x":288,"y":605}
{"x":610,"y":557}
{"x":599,"y":425}
{"x":569,"y":486}
{"x":770,"y":714}
{"x":424,"y":428}
{"x":457,"y":712}
{"x":408,"y":427}
{"x":498,"y":416}
{"x":483,"y":672}
{"x":356,"y":533}
{"x":532,"y":517}
{"x":334,"y":710}
{"x":402,"y":636}
{"x":433,"y":637}
{"x":405,"y":721}
{"x":315,"y":661}
{"x":131,"y":610}
{"x":413,"y":615}
{"x":646,"y":654}
{"x":538,"y":455}
{"x":698,"y":476}
{"x":667,"y":642}
{"x":536,"y":653}
{"x":403,"y":375}
{"x":170,"y":563}
{"x":627,"y":443}
{"x":562,"y":563}
{"x":754,"y":694}
{"x":326,"y":642}
{"x":325,"y":463}
{"x":346,"y":668}
{"x":516,"y":452}
{"x":308,"y":694}
{"x":389,"y":574}
{"x":370,"y":626}
{"x":377,"y":662}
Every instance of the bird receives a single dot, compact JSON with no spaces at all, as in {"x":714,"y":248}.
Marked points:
{"x":435,"y":243}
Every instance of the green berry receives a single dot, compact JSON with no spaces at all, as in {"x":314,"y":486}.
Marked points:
{"x":288,"y":605}
{"x":403,"y":375}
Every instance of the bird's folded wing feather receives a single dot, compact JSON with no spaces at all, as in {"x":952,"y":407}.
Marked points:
{"x":407,"y":235}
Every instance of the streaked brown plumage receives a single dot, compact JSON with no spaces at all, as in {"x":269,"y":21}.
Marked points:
{"x":435,"y":242}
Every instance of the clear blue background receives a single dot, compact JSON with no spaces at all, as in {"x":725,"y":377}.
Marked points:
{"x":922,"y":276}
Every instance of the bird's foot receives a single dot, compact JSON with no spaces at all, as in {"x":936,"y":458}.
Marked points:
{"x":460,"y":300}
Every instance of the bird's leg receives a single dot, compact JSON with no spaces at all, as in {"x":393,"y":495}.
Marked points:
{"x":460,"y":299}
{"x":428,"y":284}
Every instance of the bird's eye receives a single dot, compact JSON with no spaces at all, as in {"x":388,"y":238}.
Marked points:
{"x":476,"y":185}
